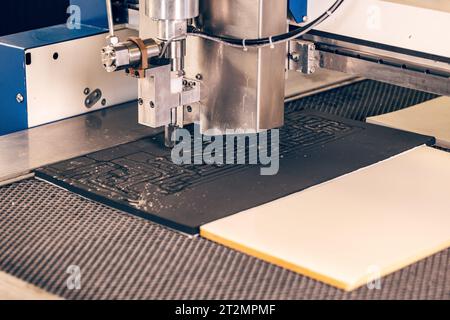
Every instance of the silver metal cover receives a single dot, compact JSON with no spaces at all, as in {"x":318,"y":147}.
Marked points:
{"x":172,"y":9}
{"x":241,"y":89}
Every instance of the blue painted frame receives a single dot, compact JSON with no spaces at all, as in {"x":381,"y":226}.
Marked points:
{"x":13,"y":115}
{"x":298,"y":9}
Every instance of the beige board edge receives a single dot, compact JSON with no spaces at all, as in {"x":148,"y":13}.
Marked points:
{"x":401,"y":119}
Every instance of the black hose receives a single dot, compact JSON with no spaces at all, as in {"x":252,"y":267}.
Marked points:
{"x":277,"y":38}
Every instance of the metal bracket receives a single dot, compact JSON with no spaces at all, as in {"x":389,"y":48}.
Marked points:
{"x":159,"y":94}
{"x":143,"y":65}
{"x":302,"y":56}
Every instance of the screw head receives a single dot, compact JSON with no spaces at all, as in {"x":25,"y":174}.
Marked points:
{"x":140,"y":101}
{"x":19,"y":98}
{"x":295,"y":56}
{"x":104,"y":102}
{"x":87,"y":91}
{"x":113,"y":40}
{"x":189,"y":109}
{"x":152,"y":104}
{"x":199,"y":77}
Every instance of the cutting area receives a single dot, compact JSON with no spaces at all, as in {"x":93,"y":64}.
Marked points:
{"x":141,"y":178}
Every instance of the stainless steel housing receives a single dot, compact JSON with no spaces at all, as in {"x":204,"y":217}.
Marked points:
{"x":241,"y":90}
{"x":172,"y":9}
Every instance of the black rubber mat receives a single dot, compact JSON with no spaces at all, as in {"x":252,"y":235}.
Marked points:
{"x":44,"y":230}
{"x":141,"y":179}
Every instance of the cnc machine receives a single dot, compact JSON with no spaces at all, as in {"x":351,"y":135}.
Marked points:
{"x":227,"y":60}
{"x":89,"y":115}
{"x":221,"y":64}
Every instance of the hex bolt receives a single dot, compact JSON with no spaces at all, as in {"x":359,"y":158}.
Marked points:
{"x":19,"y":98}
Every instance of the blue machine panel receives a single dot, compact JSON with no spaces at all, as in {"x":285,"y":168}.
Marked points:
{"x":298,"y":9}
{"x":13,"y":115}
{"x":13,"y":59}
{"x":92,"y":20}
{"x":93,"y":12}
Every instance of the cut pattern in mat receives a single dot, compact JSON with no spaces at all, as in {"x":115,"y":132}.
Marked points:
{"x":122,"y":170}
{"x":140,"y":177}
{"x":44,"y":230}
{"x":355,"y":102}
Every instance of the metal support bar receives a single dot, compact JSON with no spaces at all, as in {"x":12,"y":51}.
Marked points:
{"x":410,"y":77}
{"x":112,"y":37}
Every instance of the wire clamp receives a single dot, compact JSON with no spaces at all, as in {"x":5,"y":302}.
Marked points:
{"x":272,"y":45}
{"x":243,"y":45}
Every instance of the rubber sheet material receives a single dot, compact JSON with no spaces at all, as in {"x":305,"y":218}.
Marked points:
{"x":431,"y":118}
{"x":45,"y":229}
{"x":140,"y":177}
{"x":352,"y":230}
